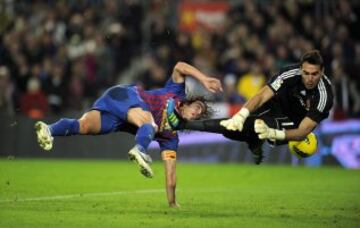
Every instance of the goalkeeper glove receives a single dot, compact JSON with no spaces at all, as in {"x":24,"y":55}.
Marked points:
{"x":237,"y":121}
{"x":265,"y":132}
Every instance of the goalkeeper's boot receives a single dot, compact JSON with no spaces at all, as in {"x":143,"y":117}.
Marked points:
{"x":143,"y":160}
{"x":44,"y":137}
{"x":258,"y":153}
{"x":174,"y":119}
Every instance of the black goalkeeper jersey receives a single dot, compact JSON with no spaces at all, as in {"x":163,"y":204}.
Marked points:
{"x":293,"y":100}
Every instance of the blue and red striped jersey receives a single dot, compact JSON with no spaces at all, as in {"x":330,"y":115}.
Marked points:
{"x":156,"y":101}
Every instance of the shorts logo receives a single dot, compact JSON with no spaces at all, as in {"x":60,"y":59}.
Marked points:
{"x":277,"y":84}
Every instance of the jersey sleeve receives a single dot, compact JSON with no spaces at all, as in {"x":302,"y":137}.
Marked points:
{"x":283,"y":79}
{"x":177,"y":88}
{"x":169,"y":144}
{"x":321,"y":105}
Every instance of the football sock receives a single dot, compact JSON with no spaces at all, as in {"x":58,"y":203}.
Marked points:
{"x":144,"y":136}
{"x":65,"y":127}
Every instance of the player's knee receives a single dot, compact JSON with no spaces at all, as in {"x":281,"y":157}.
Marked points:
{"x":144,"y":118}
{"x":139,"y":117}
{"x":147,"y":119}
{"x":84,"y":126}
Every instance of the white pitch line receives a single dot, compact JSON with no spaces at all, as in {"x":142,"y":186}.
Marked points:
{"x":60,"y":197}
{"x":147,"y":191}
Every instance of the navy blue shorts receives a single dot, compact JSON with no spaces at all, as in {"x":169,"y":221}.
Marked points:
{"x":111,"y":123}
{"x":114,"y":105}
{"x":118,"y":100}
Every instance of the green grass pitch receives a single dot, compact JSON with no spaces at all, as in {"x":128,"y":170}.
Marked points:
{"x":98,"y":193}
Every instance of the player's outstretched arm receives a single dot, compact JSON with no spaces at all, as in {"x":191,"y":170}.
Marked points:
{"x":181,"y":70}
{"x":169,"y":158}
{"x":236,"y":122}
{"x":264,"y":132}
{"x":306,"y":126}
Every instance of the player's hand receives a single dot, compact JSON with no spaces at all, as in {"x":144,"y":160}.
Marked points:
{"x":265,"y":132}
{"x":174,"y":205}
{"x":236,"y":123}
{"x":212,"y":84}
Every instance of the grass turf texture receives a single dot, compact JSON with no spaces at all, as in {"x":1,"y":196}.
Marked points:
{"x":211,"y":195}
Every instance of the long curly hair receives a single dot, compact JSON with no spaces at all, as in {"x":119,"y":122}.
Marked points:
{"x":208,"y":110}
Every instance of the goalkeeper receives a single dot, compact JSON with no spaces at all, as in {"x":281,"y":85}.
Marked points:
{"x":289,"y":107}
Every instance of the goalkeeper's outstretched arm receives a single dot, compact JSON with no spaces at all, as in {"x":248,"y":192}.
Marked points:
{"x":236,"y":122}
{"x":306,"y":126}
{"x":298,"y":134}
{"x":259,"y":99}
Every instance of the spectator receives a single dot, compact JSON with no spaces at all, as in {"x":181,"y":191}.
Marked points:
{"x":56,"y":88}
{"x":249,"y":84}
{"x":231,"y":94}
{"x":34,"y":102}
{"x":6,"y":92}
{"x":155,"y":77}
{"x":107,"y":38}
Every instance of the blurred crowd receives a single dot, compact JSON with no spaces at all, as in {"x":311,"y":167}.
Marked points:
{"x":57,"y":56}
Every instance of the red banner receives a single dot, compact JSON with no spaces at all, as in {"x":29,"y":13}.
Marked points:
{"x":209,"y":15}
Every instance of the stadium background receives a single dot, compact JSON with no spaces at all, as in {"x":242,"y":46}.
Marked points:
{"x":56,"y":57}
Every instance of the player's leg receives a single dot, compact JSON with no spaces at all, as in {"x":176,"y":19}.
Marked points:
{"x":89,"y":123}
{"x":255,"y":144}
{"x":143,"y":137}
{"x":249,"y":136}
{"x":146,"y":124}
{"x":246,"y":135}
{"x":44,"y":137}
{"x":125,"y":104}
{"x":213,"y":125}
{"x":63,"y":127}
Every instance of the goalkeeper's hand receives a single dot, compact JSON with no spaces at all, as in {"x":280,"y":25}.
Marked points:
{"x":265,"y":132}
{"x":236,"y":123}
